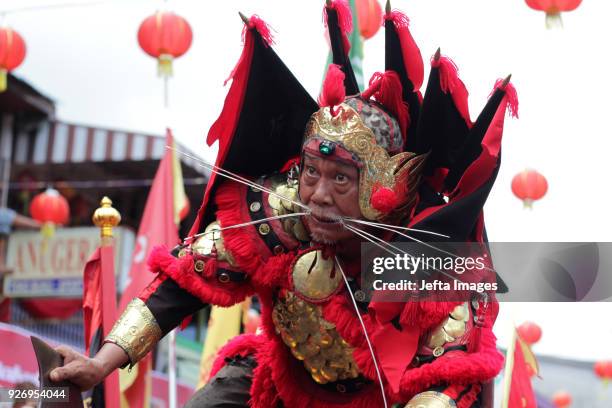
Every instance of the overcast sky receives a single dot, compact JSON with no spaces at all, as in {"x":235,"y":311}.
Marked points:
{"x":88,"y":60}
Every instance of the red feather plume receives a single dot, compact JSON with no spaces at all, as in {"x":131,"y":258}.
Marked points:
{"x":386,"y":88}
{"x":255,"y":22}
{"x":511,"y":95}
{"x":410,"y":51}
{"x":333,"y":92}
{"x":345,"y":20}
{"x":450,"y":82}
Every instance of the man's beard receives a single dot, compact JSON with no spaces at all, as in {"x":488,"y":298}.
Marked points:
{"x":321,"y":239}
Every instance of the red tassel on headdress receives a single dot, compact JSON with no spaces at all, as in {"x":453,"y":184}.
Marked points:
{"x":511,"y":95}
{"x":345,"y":20}
{"x":410,"y":51}
{"x":255,"y":22}
{"x":387,"y":90}
{"x":383,"y":200}
{"x":450,"y":82}
{"x":333,"y":92}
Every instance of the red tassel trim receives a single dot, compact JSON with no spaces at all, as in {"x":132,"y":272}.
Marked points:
{"x":399,"y":19}
{"x":474,"y":340}
{"x":511,"y":95}
{"x":274,"y":272}
{"x":456,"y":368}
{"x":345,"y":20}
{"x":450,"y":82}
{"x":454,"y":390}
{"x":250,"y":252}
{"x":410,"y":51}
{"x":205,"y":287}
{"x":386,"y":88}
{"x":333,"y":92}
{"x":255,"y":22}
{"x":263,"y":390}
{"x":468,"y":399}
{"x":245,"y":244}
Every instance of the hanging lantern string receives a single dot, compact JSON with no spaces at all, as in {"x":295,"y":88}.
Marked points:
{"x":86,"y":184}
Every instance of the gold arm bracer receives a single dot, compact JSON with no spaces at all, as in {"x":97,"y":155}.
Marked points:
{"x":136,"y":331}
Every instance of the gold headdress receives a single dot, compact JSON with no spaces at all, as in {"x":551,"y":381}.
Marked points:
{"x":387,"y":183}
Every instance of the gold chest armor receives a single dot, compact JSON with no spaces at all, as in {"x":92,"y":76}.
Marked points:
{"x":313,"y":340}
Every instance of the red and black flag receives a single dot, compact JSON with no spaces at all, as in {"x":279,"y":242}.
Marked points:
{"x":99,"y":314}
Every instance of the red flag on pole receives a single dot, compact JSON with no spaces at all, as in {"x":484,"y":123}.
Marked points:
{"x":99,"y":314}
{"x":521,"y":364}
{"x":166,"y":205}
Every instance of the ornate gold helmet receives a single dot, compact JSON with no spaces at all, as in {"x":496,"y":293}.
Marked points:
{"x":363,"y":133}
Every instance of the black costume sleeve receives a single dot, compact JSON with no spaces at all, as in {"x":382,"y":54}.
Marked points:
{"x":170,"y":304}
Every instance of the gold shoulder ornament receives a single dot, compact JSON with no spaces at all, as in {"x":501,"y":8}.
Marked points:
{"x":431,"y":399}
{"x":211,"y":244}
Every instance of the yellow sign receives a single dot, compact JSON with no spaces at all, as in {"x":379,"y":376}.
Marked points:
{"x":55,"y":268}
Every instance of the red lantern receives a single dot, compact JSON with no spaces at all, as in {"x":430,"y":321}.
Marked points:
{"x":553,"y":9}
{"x":529,"y":332}
{"x":608,"y":369}
{"x":529,"y":186}
{"x":50,"y":207}
{"x":603,"y":369}
{"x":369,"y":15}
{"x":600,"y":369}
{"x":12,"y":53}
{"x":165,"y":36}
{"x":562,"y":399}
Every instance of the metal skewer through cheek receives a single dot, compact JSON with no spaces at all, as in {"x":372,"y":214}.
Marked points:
{"x":236,"y":177}
{"x":376,"y":240}
{"x":391,"y":228}
{"x":394,"y":227}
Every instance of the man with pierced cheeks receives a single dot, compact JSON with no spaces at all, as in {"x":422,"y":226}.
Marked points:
{"x":367,"y":164}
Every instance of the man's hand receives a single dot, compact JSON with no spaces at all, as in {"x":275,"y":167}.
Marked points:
{"x":78,"y":369}
{"x":87,"y":372}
